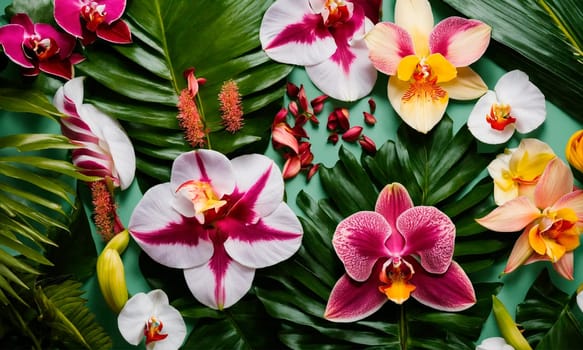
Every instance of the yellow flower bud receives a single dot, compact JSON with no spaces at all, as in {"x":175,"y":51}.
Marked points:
{"x":574,"y":150}
{"x":110,"y":272}
{"x":507,"y":327}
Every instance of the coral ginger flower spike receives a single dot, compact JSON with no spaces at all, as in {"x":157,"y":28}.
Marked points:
{"x":427,"y":65}
{"x":393,"y":253}
{"x":552,"y":221}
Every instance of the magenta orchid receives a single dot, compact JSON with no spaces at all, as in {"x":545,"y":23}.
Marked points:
{"x":219,"y":220}
{"x":92,"y":19}
{"x":38,"y":47}
{"x":106,"y":151}
{"x":325,"y":36}
{"x":427,"y":65}
{"x":551,"y":221}
{"x":395,"y":252}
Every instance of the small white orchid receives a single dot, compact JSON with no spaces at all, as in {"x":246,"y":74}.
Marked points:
{"x":494,"y":343}
{"x":515,"y":103}
{"x":151,"y":316}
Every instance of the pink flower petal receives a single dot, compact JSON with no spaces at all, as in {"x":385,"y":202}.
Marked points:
{"x":450,"y":291}
{"x":260,"y":182}
{"x":165,"y":235}
{"x":372,"y":8}
{"x":511,"y":216}
{"x":573,"y":200}
{"x":467,"y":85}
{"x":65,"y":42}
{"x":388,"y":44}
{"x":392,"y":202}
{"x":68,"y":16}
{"x":415,"y":17}
{"x":520,"y":254}
{"x":114,"y":9}
{"x":430,"y":234}
{"x":359,"y":241}
{"x":291,"y":33}
{"x":271,"y":240}
{"x":461,"y":41}
{"x":555,"y":182}
{"x":221,"y":282}
{"x":11,"y":37}
{"x":60,"y":68}
{"x":565,"y":266}
{"x":117,"y":32}
{"x":352,"y":301}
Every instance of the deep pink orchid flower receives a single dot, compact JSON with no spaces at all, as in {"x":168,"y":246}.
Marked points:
{"x":92,"y":19}
{"x":106,"y":151}
{"x":395,"y":252}
{"x":38,"y":47}
{"x":551,"y":220}
{"x":219,"y":220}
{"x":325,"y":36}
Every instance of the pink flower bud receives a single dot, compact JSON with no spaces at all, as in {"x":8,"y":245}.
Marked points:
{"x":292,"y":90}
{"x":313,"y":170}
{"x":372,"y":104}
{"x":333,"y":138}
{"x":367,"y":145}
{"x":352,"y":134}
{"x":318,"y":103}
{"x":369,"y":119}
{"x":303,"y":100}
{"x":293,"y":108}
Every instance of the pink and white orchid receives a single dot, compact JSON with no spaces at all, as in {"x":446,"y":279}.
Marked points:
{"x":428,"y":65}
{"x":395,"y":252}
{"x":151,"y":316}
{"x":38,"y":47}
{"x":515,"y":103}
{"x":552,"y":221}
{"x":325,"y":36}
{"x":92,"y":19}
{"x":106,"y":151}
{"x":219,"y":220}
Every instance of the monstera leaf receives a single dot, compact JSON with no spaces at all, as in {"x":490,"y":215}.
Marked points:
{"x":296,"y":291}
{"x":545,"y":38}
{"x":140,"y":83}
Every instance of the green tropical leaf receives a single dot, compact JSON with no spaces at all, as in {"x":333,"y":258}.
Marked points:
{"x":545,"y":327}
{"x":143,"y":80}
{"x":545,"y":38}
{"x":27,"y":100}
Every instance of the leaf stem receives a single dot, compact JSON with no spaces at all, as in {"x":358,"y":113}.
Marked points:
{"x":403,"y":332}
{"x":202,"y":115}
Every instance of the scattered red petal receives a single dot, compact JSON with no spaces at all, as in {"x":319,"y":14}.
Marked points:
{"x":352,"y":134}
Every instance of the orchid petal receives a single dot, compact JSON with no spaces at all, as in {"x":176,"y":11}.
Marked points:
{"x":291,"y":33}
{"x":359,"y":241}
{"x":261,"y":183}
{"x":165,"y":235}
{"x":11,"y":37}
{"x":388,"y":44}
{"x":292,"y":167}
{"x":117,"y":32}
{"x":480,"y":128}
{"x":372,"y":8}
{"x":64,"y":41}
{"x":461,"y":41}
{"x":25,"y":21}
{"x":351,"y":301}
{"x":67,"y":15}
{"x":430,"y":234}
{"x":526,"y":100}
{"x":520,"y":253}
{"x":511,"y":216}
{"x":54,"y":66}
{"x":283,"y":135}
{"x":450,"y":291}
{"x":174,"y":326}
{"x":467,"y":85}
{"x":565,"y":266}
{"x":114,"y":9}
{"x":134,"y":314}
{"x":572,"y":200}
{"x":392,"y":202}
{"x":117,"y":141}
{"x":421,"y":110}
{"x":348,"y":75}
{"x":556,"y":181}
{"x":416,"y":17}
{"x":221,"y":282}
{"x":204,"y":165}
{"x":273,"y":239}
{"x":73,"y":91}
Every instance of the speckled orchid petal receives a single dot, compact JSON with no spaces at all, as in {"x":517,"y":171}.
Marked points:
{"x":520,"y":253}
{"x":511,"y":216}
{"x":351,"y":301}
{"x":555,"y":182}
{"x":449,"y":291}
{"x":388,"y":44}
{"x":467,"y":85}
{"x":461,"y":41}
{"x":166,"y":236}
{"x":416,"y":17}
{"x":291,"y":32}
{"x":220,"y":282}
{"x":359,"y":241}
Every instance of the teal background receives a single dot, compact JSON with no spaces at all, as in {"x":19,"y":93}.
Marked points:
{"x":555,"y":131}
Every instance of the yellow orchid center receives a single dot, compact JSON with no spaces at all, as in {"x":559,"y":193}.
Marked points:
{"x":425,"y":75}
{"x":202,"y":195}
{"x":335,"y":12}
{"x":395,"y":277}
{"x":499,"y":116}
{"x":93,"y":14}
{"x":152,"y":330}
{"x":555,"y":233}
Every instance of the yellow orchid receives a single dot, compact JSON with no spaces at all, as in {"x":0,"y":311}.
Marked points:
{"x":110,"y":272}
{"x":427,"y":64}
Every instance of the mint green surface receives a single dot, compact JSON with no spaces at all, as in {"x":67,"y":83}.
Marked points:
{"x":555,"y":131}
